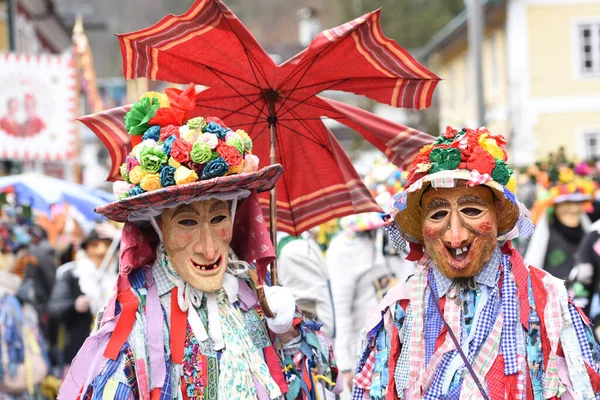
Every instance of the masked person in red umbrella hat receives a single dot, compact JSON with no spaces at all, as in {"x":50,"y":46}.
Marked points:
{"x":186,"y":322}
{"x":474,"y":321}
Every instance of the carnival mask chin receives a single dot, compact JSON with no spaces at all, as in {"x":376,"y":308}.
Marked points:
{"x":197,"y":238}
{"x":460,"y":228}
{"x":569,"y":213}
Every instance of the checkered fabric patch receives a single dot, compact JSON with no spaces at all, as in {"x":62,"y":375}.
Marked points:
{"x":581,"y":335}
{"x":395,"y":236}
{"x":509,"y":308}
{"x":363,"y":378}
{"x":444,"y":179}
{"x":478,"y":179}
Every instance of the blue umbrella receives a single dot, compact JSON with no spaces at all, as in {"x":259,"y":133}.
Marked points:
{"x":40,"y":192}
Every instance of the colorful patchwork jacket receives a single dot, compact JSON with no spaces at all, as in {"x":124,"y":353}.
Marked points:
{"x":516,"y":326}
{"x":158,"y":355}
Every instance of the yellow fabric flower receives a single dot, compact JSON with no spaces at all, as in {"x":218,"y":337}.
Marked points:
{"x":236,"y":169}
{"x":174,"y":163}
{"x":566,"y":175}
{"x":151,"y":181}
{"x":491,"y":147}
{"x":512,"y":184}
{"x":162,"y":98}
{"x":136,"y":175}
{"x":554,"y":191}
{"x":185,"y":175}
{"x":424,"y":149}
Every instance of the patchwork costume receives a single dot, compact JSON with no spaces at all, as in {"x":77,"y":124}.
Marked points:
{"x":509,"y":331}
{"x":161,"y":337}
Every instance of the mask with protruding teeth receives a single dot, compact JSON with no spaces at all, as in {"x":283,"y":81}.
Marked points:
{"x":460,"y":251}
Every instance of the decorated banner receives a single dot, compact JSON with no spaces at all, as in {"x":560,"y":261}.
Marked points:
{"x":37,"y":107}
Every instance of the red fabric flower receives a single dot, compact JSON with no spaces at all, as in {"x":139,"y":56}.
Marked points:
{"x":482,"y":161}
{"x":167,"y":131}
{"x":229,"y":153}
{"x":450,"y":132}
{"x":500,"y":141}
{"x":180,"y":151}
{"x":215,"y":119}
{"x":183,"y":100}
{"x":168,"y":116}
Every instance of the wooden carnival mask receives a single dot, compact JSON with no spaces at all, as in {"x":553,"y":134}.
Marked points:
{"x":196,"y":238}
{"x":460,"y":228}
{"x":569,"y":213}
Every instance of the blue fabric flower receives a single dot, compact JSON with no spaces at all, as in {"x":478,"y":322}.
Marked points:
{"x":215,"y":168}
{"x":167,"y":176}
{"x":168,"y":144}
{"x":216,"y":129}
{"x":152,"y":133}
{"x":134,"y":191}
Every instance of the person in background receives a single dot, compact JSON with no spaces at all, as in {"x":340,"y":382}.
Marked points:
{"x":82,"y":288}
{"x":303,"y":270}
{"x":363,"y":266}
{"x":561,"y":222}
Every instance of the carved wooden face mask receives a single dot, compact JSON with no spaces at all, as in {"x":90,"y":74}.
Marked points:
{"x":460,"y":229}
{"x":196,"y":238}
{"x":569,"y":213}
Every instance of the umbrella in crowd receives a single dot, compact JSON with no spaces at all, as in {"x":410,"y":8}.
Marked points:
{"x":278,"y":105}
{"x":40,"y":192}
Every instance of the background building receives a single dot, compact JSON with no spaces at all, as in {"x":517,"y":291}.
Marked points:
{"x":541,"y":61}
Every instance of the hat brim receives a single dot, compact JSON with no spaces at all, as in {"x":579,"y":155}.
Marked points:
{"x":259,"y":181}
{"x":410,"y":220}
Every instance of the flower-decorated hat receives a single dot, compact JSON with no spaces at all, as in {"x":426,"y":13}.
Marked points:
{"x":174,"y":161}
{"x":476,"y":157}
{"x":383,"y":180}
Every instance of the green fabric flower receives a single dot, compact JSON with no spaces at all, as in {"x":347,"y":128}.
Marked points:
{"x":124,"y":174}
{"x":137,"y":119}
{"x":501,"y":172}
{"x":201,"y":153}
{"x":236,"y":142}
{"x":152,"y":158}
{"x":444,"y":159}
{"x":194,"y":123}
{"x":123,"y":196}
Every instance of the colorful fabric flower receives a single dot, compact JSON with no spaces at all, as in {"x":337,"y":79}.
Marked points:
{"x":182,"y":99}
{"x":168,"y":116}
{"x":215,"y":168}
{"x":211,"y":140}
{"x":131,"y":162}
{"x":151,"y":159}
{"x":187,"y":134}
{"x":235,"y":169}
{"x":180,"y":150}
{"x":135,"y":191}
{"x":167,"y":176}
{"x":138,"y":118}
{"x":152,"y":133}
{"x":124,"y":172}
{"x":491,"y":147}
{"x":512,"y":184}
{"x":444,"y":159}
{"x":501,"y":172}
{"x":229,"y":154}
{"x":185,"y":175}
{"x":215,"y":120}
{"x":196,"y":123}
{"x":120,"y":187}
{"x":136,"y":175}
{"x":450,"y":133}
{"x":168,"y":144}
{"x":566,"y":175}
{"x":169,"y":130}
{"x":162,"y":98}
{"x":174,"y":163}
{"x":236,"y":142}
{"x":201,"y":153}
{"x":216,"y":129}
{"x":150,"y":182}
{"x":250,"y":163}
{"x":481,"y":161}
{"x":245,"y":139}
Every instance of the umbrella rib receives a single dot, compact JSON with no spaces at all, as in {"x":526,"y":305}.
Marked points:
{"x":296,"y":85}
{"x":231,"y":112}
{"x":305,"y":126}
{"x":237,"y":91}
{"x":260,"y":133}
{"x":296,"y":72}
{"x":293,"y":220}
{"x":337,"y":81}
{"x":308,"y":98}
{"x":317,"y":142}
{"x":321,"y":107}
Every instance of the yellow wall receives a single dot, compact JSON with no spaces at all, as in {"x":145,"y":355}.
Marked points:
{"x":551,"y":41}
{"x":555,"y":130}
{"x":3,"y":29}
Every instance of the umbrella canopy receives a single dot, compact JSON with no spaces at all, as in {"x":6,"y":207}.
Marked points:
{"x":40,"y":192}
{"x":279,"y":106}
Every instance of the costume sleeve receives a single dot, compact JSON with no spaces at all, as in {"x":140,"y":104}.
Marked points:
{"x":343,"y":288}
{"x":583,"y":280}
{"x":62,"y":300}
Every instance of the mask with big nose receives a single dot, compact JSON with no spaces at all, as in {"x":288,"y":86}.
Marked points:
{"x":196,"y":239}
{"x":460,"y":229}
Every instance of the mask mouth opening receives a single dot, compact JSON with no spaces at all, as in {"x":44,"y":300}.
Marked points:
{"x":207,"y":267}
{"x":459,"y":254}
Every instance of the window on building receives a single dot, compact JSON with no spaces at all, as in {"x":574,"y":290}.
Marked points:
{"x":588,"y":35}
{"x":591,"y":143}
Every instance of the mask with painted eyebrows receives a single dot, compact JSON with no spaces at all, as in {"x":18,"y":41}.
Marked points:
{"x":196,"y":238}
{"x":460,"y":228}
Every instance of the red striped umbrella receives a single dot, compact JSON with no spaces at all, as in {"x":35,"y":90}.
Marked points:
{"x":279,"y":106}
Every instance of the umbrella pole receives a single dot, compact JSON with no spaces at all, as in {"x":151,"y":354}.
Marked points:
{"x":273,"y":202}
